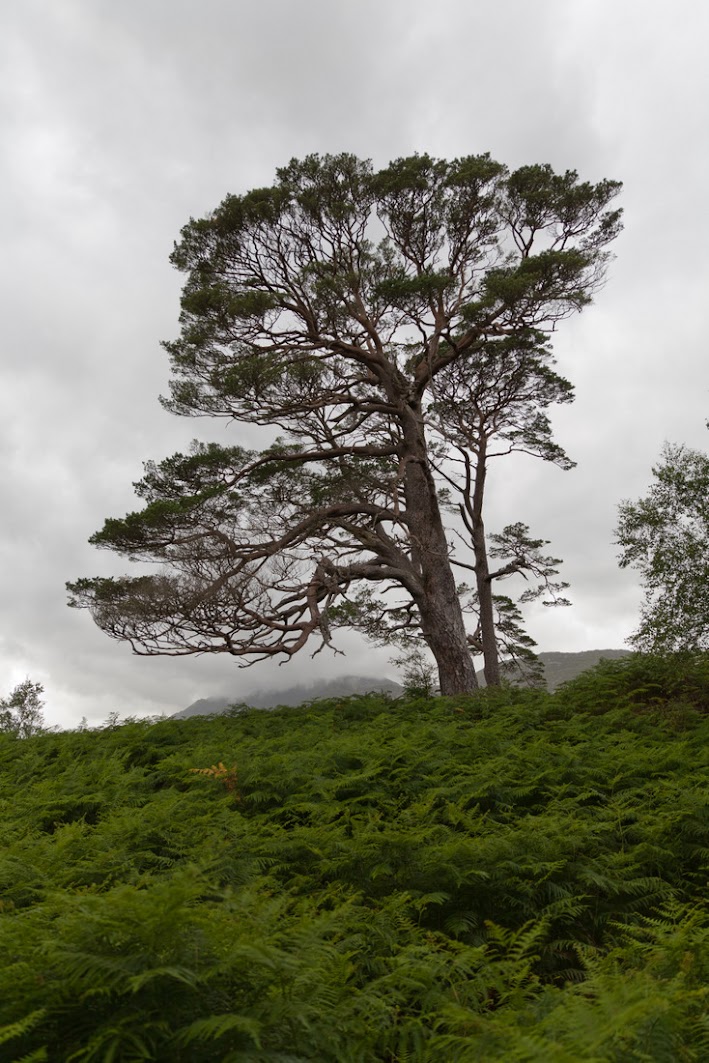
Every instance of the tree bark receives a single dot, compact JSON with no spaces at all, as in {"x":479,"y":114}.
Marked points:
{"x":442,"y":622}
{"x":482,"y":574}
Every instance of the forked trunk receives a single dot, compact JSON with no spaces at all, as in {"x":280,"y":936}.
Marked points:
{"x":442,"y":622}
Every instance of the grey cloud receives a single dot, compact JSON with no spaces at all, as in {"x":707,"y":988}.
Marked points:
{"x":119,"y":121}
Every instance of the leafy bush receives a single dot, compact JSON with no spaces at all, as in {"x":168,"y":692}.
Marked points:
{"x":672,"y":684}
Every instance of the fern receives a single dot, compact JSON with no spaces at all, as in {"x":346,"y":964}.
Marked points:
{"x":512,"y":876}
{"x":216,"y":1026}
{"x":21,"y":1026}
{"x":219,"y":771}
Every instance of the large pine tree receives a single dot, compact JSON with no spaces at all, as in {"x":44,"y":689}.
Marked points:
{"x":348,"y":308}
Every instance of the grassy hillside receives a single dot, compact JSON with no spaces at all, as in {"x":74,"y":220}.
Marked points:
{"x":514,"y":876}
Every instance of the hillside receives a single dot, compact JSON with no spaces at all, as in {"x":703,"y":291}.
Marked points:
{"x":513,"y":876}
{"x":558,"y":668}
{"x":562,"y":667}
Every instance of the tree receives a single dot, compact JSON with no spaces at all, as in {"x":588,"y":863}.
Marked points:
{"x":21,"y":712}
{"x":499,"y":629}
{"x":666,"y":537}
{"x":484,"y":411}
{"x":331,"y":306}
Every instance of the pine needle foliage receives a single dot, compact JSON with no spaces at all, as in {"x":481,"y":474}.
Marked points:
{"x":510,"y":876}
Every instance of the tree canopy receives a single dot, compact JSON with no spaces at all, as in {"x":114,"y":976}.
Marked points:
{"x":384,"y":322}
{"x":665,"y":535}
{"x":21,"y":711}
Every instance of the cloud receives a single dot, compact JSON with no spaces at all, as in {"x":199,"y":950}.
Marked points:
{"x":119,"y":121}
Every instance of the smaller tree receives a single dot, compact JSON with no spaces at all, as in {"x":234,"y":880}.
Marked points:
{"x":513,"y":649}
{"x":21,"y":712}
{"x":666,"y":537}
{"x":487,"y":408}
{"x":417,"y":672}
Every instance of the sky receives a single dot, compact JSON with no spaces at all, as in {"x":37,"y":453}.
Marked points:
{"x":119,"y":122}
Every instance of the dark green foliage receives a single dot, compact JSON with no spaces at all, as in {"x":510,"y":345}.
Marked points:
{"x":510,"y":876}
{"x":677,"y":685}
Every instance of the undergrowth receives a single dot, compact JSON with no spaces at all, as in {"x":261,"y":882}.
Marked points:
{"x":509,"y":876}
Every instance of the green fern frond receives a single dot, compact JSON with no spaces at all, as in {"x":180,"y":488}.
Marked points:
{"x":21,"y":1026}
{"x":184,"y":975}
{"x":38,"y":1056}
{"x":216,"y":1026}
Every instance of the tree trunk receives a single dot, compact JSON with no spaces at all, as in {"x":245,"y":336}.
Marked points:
{"x":482,"y":575}
{"x":442,"y":622}
{"x":447,"y":640}
{"x":487,"y":612}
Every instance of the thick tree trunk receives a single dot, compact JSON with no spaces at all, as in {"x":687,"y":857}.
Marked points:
{"x":442,"y":622}
{"x":446,"y":637}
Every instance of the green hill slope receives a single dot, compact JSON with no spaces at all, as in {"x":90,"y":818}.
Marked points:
{"x":562,"y":667}
{"x":514,"y":876}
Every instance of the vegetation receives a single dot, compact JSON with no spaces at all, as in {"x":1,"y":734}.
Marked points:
{"x":511,"y":875}
{"x":395,"y":327}
{"x":666,"y":537}
{"x":21,"y":712}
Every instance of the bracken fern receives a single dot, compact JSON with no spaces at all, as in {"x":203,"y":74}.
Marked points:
{"x":510,"y":876}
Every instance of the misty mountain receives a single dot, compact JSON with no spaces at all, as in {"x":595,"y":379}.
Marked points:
{"x":558,"y":669}
{"x":296,"y":695}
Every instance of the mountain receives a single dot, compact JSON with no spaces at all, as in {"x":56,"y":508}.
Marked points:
{"x":296,"y":695}
{"x":558,"y":669}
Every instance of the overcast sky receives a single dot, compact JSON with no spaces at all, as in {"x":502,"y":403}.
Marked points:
{"x":119,"y":121}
